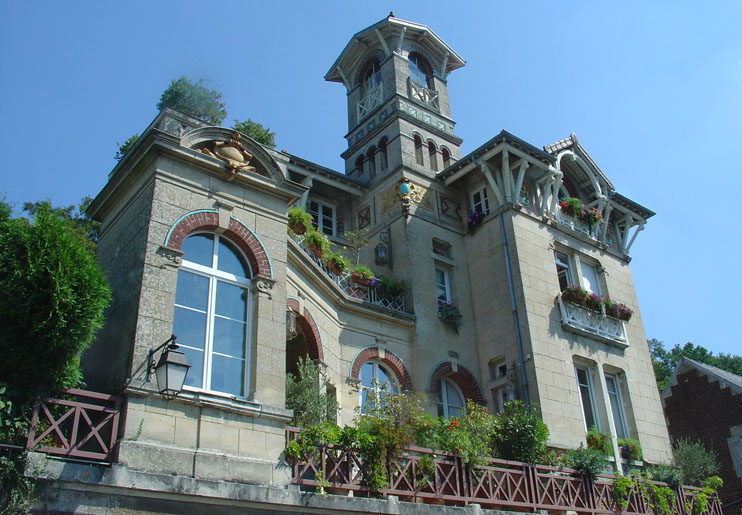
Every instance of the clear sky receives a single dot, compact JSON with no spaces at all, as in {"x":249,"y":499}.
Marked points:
{"x":653,"y":90}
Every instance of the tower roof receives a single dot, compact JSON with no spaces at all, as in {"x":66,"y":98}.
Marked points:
{"x":396,"y":33}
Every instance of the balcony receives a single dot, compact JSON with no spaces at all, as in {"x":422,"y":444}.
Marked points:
{"x":577,"y":225}
{"x":426,"y":96}
{"x":593,"y":324}
{"x":374,"y":94}
{"x":351,"y":290}
{"x":496,"y":484}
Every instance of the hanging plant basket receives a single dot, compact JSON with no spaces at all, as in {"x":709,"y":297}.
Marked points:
{"x":332,"y":267}
{"x":316,"y":250}
{"x":359,"y":280}
{"x":297,"y":228}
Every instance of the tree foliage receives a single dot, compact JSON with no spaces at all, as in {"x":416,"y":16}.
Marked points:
{"x":53,"y":301}
{"x":125,"y":147}
{"x":664,"y":361}
{"x":256,"y":131}
{"x":694,"y":461}
{"x":195,"y":99}
{"x":520,"y":433}
{"x":303,"y":396}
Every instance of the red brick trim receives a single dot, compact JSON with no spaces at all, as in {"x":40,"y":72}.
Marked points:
{"x":464,"y":379}
{"x":390,"y":359}
{"x":237,"y":232}
{"x":311,"y":332}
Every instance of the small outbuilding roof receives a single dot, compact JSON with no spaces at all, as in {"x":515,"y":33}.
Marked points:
{"x":725,"y":379}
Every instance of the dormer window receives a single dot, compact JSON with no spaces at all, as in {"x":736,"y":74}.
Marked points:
{"x":370,"y":76}
{"x":371,"y":88}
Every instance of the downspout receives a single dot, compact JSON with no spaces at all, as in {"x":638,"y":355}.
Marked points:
{"x":509,"y":273}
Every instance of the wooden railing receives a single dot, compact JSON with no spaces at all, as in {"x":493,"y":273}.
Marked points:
{"x":496,"y":484}
{"x":77,"y":424}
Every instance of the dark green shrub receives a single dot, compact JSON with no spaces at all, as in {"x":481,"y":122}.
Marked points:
{"x":666,"y":474}
{"x":695,"y":462}
{"x":585,"y":460}
{"x":470,"y":434}
{"x":520,"y":434}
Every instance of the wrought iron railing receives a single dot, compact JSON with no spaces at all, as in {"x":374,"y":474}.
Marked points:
{"x":76,"y":424}
{"x":495,"y":484}
{"x":372,"y":99}
{"x":577,"y":225}
{"x":592,"y":323}
{"x":371,"y":294}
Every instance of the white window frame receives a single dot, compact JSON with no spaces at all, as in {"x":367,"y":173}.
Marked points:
{"x":215,"y":276}
{"x":443,"y":397}
{"x":502,"y":395}
{"x":617,"y":412}
{"x":591,"y":395}
{"x":585,"y":282}
{"x":563,"y":264}
{"x":570,"y":261}
{"x":318,"y":217}
{"x":375,"y":387}
{"x":482,"y":205}
{"x":446,"y":283}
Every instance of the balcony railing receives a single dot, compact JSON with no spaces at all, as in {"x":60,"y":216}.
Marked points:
{"x":371,"y":100}
{"x":577,"y":225}
{"x":77,"y":424}
{"x":591,"y":323}
{"x":426,"y":96}
{"x":371,"y":294}
{"x":497,"y":484}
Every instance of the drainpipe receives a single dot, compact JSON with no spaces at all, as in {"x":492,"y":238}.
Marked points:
{"x":524,"y":380}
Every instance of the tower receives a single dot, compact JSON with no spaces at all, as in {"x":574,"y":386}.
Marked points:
{"x":399,"y":116}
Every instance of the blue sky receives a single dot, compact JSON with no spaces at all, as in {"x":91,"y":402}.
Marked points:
{"x":653,"y":90}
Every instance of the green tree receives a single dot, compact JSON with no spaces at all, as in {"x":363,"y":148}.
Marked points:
{"x":256,"y":131}
{"x":57,"y":301}
{"x":694,"y":461}
{"x":76,"y":215}
{"x":664,"y":361}
{"x":520,"y":434}
{"x":125,"y":147}
{"x":195,"y":99}
{"x":303,"y":395}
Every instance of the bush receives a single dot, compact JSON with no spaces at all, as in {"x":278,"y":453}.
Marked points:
{"x":666,"y":474}
{"x":585,"y":460}
{"x":694,"y":461}
{"x":195,"y":99}
{"x":57,"y":301}
{"x":470,"y":434}
{"x":311,"y":407}
{"x":256,"y":131}
{"x":520,"y":434}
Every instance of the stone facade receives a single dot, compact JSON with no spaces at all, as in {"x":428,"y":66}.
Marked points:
{"x":515,"y":341}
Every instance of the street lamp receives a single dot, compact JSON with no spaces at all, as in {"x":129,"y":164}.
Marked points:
{"x":171,"y":369}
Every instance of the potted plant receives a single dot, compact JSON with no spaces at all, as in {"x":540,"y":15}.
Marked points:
{"x":336,"y":263}
{"x":591,"y":217}
{"x":582,"y":297}
{"x":450,"y":315}
{"x":617,"y":309}
{"x":390,"y":287}
{"x":474,"y":219}
{"x":362,"y":275}
{"x":598,"y":441}
{"x":631,"y":450}
{"x":318,"y":243}
{"x":571,"y":206}
{"x":299,"y":220}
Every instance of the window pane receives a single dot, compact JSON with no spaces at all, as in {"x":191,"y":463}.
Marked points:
{"x":367,"y":376}
{"x":227,"y":375}
{"x":198,"y":248}
{"x":229,"y":337}
{"x":454,"y":397}
{"x":590,"y":278}
{"x":192,"y":291}
{"x":190,"y":327}
{"x":195,"y":374}
{"x":616,"y":405}
{"x":231,"y":301}
{"x":229,"y":261}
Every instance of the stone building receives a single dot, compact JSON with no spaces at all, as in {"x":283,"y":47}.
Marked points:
{"x":194,"y":242}
{"x":718,"y":427}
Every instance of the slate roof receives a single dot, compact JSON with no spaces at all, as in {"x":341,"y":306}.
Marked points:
{"x":725,"y":379}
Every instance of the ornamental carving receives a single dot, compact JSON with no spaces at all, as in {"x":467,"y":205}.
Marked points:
{"x":235,"y":157}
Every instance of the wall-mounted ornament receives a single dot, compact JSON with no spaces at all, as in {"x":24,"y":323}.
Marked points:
{"x":235,"y":157}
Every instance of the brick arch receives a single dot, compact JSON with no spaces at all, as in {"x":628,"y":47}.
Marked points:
{"x":306,"y":323}
{"x":237,"y":232}
{"x":464,"y":379}
{"x":388,"y":358}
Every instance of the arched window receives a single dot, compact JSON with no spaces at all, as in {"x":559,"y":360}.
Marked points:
{"x":371,"y":162}
{"x":376,"y":380}
{"x":433,"y":153}
{"x":420,"y":71}
{"x":446,"y":157}
{"x":359,"y":163}
{"x":418,"y":149}
{"x":450,"y":399}
{"x":210,"y":314}
{"x":382,"y":153}
{"x":371,"y":75}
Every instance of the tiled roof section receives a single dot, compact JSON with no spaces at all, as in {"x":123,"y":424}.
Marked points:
{"x":725,"y":379}
{"x":561,"y":144}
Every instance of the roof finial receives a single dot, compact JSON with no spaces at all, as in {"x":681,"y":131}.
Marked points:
{"x":391,"y":14}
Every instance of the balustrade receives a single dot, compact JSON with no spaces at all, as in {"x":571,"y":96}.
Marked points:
{"x":592,"y":323}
